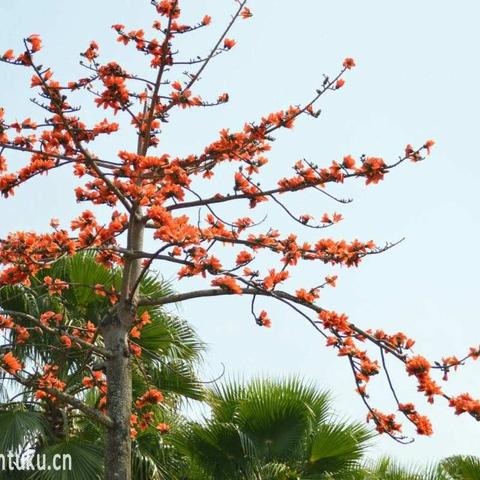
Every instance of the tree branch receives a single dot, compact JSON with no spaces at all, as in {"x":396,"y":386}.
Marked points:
{"x":74,"y":402}
{"x":101,"y":351}
{"x":277,"y":294}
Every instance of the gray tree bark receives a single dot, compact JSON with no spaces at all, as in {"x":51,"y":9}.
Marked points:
{"x":115,"y":332}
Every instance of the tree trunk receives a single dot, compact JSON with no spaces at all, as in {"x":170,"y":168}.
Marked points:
{"x":119,"y":401}
{"x":115,"y":331}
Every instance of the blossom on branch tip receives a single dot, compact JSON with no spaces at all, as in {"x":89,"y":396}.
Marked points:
{"x":263,"y":320}
{"x":229,"y":43}
{"x":35,"y":42}
{"x":428,"y":145}
{"x":349,"y":63}
{"x":8,"y":55}
{"x":246,"y":13}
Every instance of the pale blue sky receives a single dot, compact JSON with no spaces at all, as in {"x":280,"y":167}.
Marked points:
{"x":416,"y":79}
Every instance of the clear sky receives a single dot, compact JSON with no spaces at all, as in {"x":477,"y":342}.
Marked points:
{"x":417,"y":78}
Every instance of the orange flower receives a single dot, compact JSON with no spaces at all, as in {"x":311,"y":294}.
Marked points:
{"x":145,"y":319}
{"x":244,"y":257}
{"x":151,"y":397}
{"x":369,"y":368}
{"x":348,"y":162}
{"x":340,"y":83}
{"x":263,"y":319}
{"x":6,"y":321}
{"x":349,"y":63}
{"x":46,"y":317}
{"x":206,"y":20}
{"x":88,"y":382}
{"x":337,"y":217}
{"x":135,"y":349}
{"x":451,"y":362}
{"x":177,"y":86}
{"x":406,"y":408}
{"x":8,"y":55}
{"x":305,"y":218}
{"x":417,"y":365}
{"x":40,"y":394}
{"x":55,"y":287}
{"x":10,"y":363}
{"x":22,"y":334}
{"x":427,"y":385}
{"x":135,"y":332}
{"x":373,"y":169}
{"x":168,"y":8}
{"x":384,"y":423}
{"x":55,"y":223}
{"x":100,"y":290}
{"x":331,"y":280}
{"x":227,"y":283}
{"x":332,"y":341}
{"x":246,"y":13}
{"x":35,"y":42}
{"x":464,"y":403}
{"x":423,"y":424}
{"x":229,"y":43}
{"x":163,"y":428}
{"x":274,"y":278}
{"x":309,"y":296}
{"x":326,"y":218}
{"x":65,"y":339}
{"x":474,"y":353}
{"x":428,"y":145}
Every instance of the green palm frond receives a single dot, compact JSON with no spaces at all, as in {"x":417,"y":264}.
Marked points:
{"x":84,"y":272}
{"x":337,"y":446}
{"x":19,"y":298}
{"x":277,"y":415}
{"x":19,"y":428}
{"x":178,"y":378}
{"x":153,"y":286}
{"x":154,"y":457}
{"x":86,"y":461}
{"x":277,"y":471}
{"x":224,"y":398}
{"x":461,"y":467}
{"x":388,"y":469}
{"x":170,"y":336}
{"x":220,"y":448}
{"x":276,"y":429}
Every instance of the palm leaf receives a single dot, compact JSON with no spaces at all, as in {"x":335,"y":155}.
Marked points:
{"x":86,"y":461}
{"x":337,"y":446}
{"x":277,"y":416}
{"x":20,"y":428}
{"x":460,"y":467}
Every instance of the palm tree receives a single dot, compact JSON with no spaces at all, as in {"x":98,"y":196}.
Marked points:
{"x":388,"y":469}
{"x":171,"y":352}
{"x":274,"y":430}
{"x":460,"y":467}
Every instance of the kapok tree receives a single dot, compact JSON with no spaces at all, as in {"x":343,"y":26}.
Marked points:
{"x":153,"y":193}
